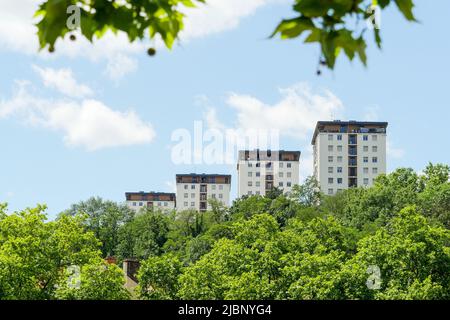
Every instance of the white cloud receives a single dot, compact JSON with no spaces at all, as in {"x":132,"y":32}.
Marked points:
{"x":219,"y":15}
{"x":18,"y":33}
{"x":371,"y":113}
{"x":295,"y":115}
{"x":88,"y":123}
{"x":393,"y":152}
{"x":63,"y":81}
{"x":119,"y":66}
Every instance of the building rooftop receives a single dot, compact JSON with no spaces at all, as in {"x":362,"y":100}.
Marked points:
{"x":269,"y":155}
{"x":149,"y":196}
{"x":203,"y":178}
{"x":351,"y":126}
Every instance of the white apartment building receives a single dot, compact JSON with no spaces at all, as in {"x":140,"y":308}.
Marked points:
{"x":260,"y":171}
{"x":194,"y":190}
{"x":157,"y":200}
{"x":348,"y":154}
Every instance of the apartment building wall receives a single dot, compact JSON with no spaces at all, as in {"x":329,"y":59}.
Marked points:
{"x":260,"y":171}
{"x":354,"y":157}
{"x":157,"y":200}
{"x":194,"y":191}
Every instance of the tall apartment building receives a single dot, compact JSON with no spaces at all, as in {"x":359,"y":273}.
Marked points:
{"x":348,"y":154}
{"x":260,"y":171}
{"x":194,"y":190}
{"x":138,"y":200}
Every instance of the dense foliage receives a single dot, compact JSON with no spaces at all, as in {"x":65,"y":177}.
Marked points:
{"x":390,"y":241}
{"x":337,"y":26}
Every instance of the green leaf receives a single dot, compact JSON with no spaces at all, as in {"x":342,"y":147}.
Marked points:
{"x":293,"y":28}
{"x":406,"y":6}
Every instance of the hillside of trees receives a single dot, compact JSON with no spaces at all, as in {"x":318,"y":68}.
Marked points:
{"x":390,"y":241}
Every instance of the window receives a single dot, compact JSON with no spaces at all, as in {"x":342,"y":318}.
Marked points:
{"x":186,"y":195}
{"x":374,"y":159}
{"x":339,"y":169}
{"x":280,"y":184}
{"x":339,"y":148}
{"x":330,"y":137}
{"x":366,"y":181}
{"x":366,"y":148}
{"x":192,"y":204}
{"x":366,"y":170}
{"x":258,"y":164}
{"x":289,"y":174}
{"x":280,"y":174}
{"x":289,"y":184}
{"x":374,"y":149}
{"x":213,"y":187}
{"x":220,"y":196}
{"x":140,"y":204}
{"x":366,"y":159}
{"x":339,"y":159}
{"x":250,"y":165}
{"x":220,"y":187}
{"x":330,"y":191}
{"x":258,"y":174}
{"x":289,"y":165}
{"x":250,"y":174}
{"x":258,"y":193}
{"x":250,"y":183}
{"x":374,"y":138}
{"x":186,"y":203}
{"x":193,"y":187}
{"x":330,"y":159}
{"x":134,"y":204}
{"x":192,"y":195}
{"x":366,"y":138}
{"x":213,"y":196}
{"x":339,"y":137}
{"x":281,"y":164}
{"x":330,"y":170}
{"x":330,"y":180}
{"x":375,"y":170}
{"x":257,"y":183}
{"x":339,"y":180}
{"x":249,"y":193}
{"x":186,"y":187}
{"x":330,"y":148}
{"x":165,"y":204}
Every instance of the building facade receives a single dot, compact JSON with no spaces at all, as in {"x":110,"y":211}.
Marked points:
{"x":260,"y":171}
{"x":158,"y":200}
{"x":348,"y":154}
{"x":194,"y":190}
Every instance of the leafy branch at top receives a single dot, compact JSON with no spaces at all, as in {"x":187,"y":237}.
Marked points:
{"x":137,"y":18}
{"x":328,"y":22}
{"x":334,"y":24}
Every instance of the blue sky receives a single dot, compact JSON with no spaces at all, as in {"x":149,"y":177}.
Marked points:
{"x":97,"y":120}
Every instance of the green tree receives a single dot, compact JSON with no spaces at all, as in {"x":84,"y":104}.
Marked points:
{"x":104,"y":219}
{"x":158,"y":277}
{"x":97,"y":280}
{"x":34,"y":253}
{"x":143,"y":236}
{"x":413,"y":257}
{"x":308,"y":193}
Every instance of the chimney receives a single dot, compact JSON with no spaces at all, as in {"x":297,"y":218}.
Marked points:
{"x":131,"y":268}
{"x":111,"y":260}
